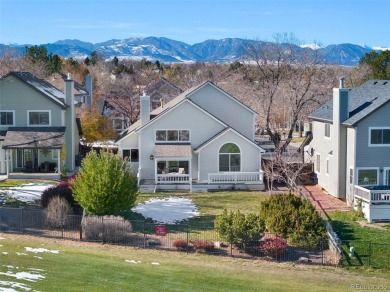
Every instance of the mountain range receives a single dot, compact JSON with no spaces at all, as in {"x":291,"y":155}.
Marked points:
{"x":168,"y":50}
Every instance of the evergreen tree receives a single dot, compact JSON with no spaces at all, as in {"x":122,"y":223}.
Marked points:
{"x":378,"y":64}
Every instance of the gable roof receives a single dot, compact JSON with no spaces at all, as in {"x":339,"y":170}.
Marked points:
{"x":42,"y":86}
{"x":227,"y":129}
{"x":57,"y":80}
{"x":363,"y":101}
{"x":173,"y":103}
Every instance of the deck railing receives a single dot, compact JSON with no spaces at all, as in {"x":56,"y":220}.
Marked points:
{"x":372,"y":195}
{"x":172,"y":178}
{"x":235,"y":177}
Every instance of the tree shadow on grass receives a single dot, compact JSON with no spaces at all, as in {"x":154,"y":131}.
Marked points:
{"x":344,"y":230}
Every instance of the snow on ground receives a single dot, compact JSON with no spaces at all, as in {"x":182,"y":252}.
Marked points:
{"x":167,"y":210}
{"x":27,"y":193}
{"x":33,"y":275}
{"x":37,"y":250}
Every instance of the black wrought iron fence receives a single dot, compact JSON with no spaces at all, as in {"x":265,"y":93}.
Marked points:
{"x":182,"y":237}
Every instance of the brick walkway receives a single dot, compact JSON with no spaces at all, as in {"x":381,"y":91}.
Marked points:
{"x":322,"y":201}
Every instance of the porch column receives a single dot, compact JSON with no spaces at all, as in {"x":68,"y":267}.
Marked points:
{"x":190,"y":174}
{"x":7,"y":161}
{"x":59,"y":161}
{"x":155,"y":170}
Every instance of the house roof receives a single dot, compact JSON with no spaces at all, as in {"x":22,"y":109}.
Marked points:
{"x":41,"y":86}
{"x":162,"y":88}
{"x":174,"y":102}
{"x":363,"y":101}
{"x":34,"y":137}
{"x":173,"y":151}
{"x":57,"y":80}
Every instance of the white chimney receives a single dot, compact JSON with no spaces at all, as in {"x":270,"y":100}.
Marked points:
{"x":88,"y":87}
{"x":70,"y":124}
{"x":144,"y":108}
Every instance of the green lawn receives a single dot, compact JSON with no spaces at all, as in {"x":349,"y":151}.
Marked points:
{"x":371,"y":241}
{"x":94,"y":267}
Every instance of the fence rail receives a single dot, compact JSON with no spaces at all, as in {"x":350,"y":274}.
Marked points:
{"x":140,"y":233}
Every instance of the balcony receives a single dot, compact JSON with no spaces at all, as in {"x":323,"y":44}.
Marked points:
{"x":236,"y":177}
{"x":373,"y":194}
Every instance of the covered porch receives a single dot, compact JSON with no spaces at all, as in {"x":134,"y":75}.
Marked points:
{"x":28,"y":151}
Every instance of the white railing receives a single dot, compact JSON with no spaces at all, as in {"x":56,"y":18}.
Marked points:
{"x":372,"y":195}
{"x":172,"y":178}
{"x":235,"y":177}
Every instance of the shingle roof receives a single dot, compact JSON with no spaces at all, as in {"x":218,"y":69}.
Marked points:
{"x":42,"y":86}
{"x":172,"y":150}
{"x":363,"y":101}
{"x":34,"y":137}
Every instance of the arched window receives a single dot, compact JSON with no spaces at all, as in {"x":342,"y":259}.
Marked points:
{"x":229,"y":158}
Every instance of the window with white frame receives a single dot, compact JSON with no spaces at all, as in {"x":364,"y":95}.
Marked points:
{"x":318,"y":163}
{"x":379,"y":136}
{"x":172,"y":135}
{"x":327,"y":130}
{"x":131,"y":154}
{"x":386,"y":178}
{"x":7,"y":118}
{"x":367,"y":176}
{"x":229,"y":157}
{"x":54,"y":153}
{"x":39,"y":118}
{"x":351,"y":176}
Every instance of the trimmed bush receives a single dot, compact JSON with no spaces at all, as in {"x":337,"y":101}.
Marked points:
{"x":181,"y":245}
{"x":273,"y":247}
{"x":57,"y":211}
{"x":293,"y":218}
{"x":202,"y":245}
{"x":240,"y":229}
{"x":106,"y":228}
{"x":61,"y":190}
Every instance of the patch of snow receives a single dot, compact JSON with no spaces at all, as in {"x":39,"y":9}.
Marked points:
{"x":21,"y":253}
{"x":1,"y":245}
{"x":4,"y":253}
{"x":167,"y":210}
{"x":381,"y":48}
{"x":37,"y":257}
{"x":31,"y":277}
{"x":2,"y":238}
{"x":156,"y":264}
{"x":311,"y":46}
{"x":37,"y":250}
{"x":11,"y":285}
{"x":133,"y":261}
{"x":28,"y":193}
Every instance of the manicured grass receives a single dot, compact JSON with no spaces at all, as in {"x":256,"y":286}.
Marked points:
{"x":371,"y":241}
{"x":94,"y":267}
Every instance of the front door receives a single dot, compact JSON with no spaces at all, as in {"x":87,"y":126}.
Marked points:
{"x":24,"y":155}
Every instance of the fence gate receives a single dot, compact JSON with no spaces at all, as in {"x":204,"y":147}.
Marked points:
{"x":356,"y":252}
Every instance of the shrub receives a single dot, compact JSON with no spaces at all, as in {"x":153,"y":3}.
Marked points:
{"x":61,"y":190}
{"x":203,"y":245}
{"x":293,"y":218}
{"x":105,"y":185}
{"x":240,"y":229}
{"x":105,"y":228}
{"x":57,"y":211}
{"x":181,"y":244}
{"x":273,"y":247}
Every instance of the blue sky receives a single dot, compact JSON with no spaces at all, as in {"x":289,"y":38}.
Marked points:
{"x":325,"y":22}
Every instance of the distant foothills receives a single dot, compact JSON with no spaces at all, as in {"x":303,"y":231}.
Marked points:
{"x":172,"y":51}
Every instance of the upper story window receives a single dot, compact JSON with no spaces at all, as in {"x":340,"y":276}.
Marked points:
{"x":379,"y":136}
{"x":131,"y":154}
{"x":318,"y":163}
{"x":38,"y":118}
{"x":367,"y":176}
{"x":327,"y":130}
{"x":7,"y":118}
{"x":172,"y":135}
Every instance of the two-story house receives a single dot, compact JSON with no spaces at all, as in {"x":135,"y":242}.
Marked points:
{"x":38,"y":127}
{"x":351,"y":147}
{"x":202,"y":139}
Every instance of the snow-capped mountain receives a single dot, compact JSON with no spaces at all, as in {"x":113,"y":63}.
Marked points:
{"x":168,"y":50}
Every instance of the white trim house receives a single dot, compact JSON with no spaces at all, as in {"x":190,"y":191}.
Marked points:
{"x":352,"y":134}
{"x":203,"y":139}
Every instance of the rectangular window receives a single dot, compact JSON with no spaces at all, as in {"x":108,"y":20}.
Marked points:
{"x":327,"y":130}
{"x":131,"y":154}
{"x":367,"y":177}
{"x":379,"y":137}
{"x":7,"y":118}
{"x":39,"y":118}
{"x":172,"y":135}
{"x":327,"y":166}
{"x":54,"y":153}
{"x":318,"y":163}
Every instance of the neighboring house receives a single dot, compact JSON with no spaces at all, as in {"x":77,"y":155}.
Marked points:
{"x":202,"y":139}
{"x":351,"y":147}
{"x":37,"y":120}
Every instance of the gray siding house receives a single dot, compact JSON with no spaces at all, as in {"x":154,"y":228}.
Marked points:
{"x":203,"y":139}
{"x":38,"y":127}
{"x":351,"y":147}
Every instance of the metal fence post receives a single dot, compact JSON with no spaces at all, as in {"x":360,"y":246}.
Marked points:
{"x":144,"y":234}
{"x":21,"y":220}
{"x":187,"y":237}
{"x":103,"y":229}
{"x":322,"y":251}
